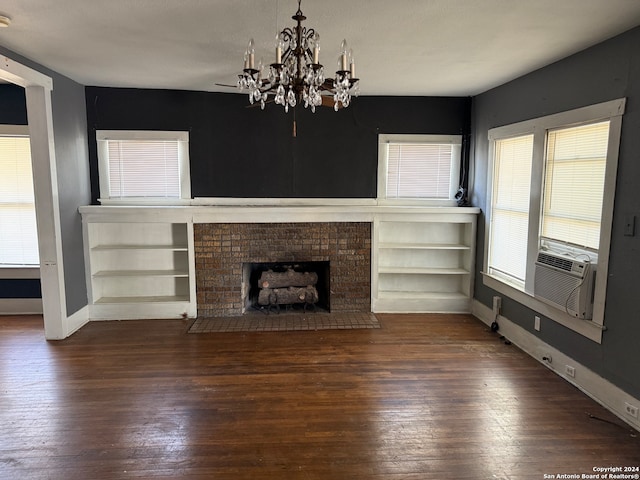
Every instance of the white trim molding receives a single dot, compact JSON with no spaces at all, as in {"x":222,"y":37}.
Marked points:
{"x":40,"y":116}
{"x":38,"y":87}
{"x":590,"y":383}
{"x":19,"y":74}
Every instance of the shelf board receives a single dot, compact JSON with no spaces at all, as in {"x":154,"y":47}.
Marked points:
{"x":148,"y":299}
{"x":422,"y":246}
{"x":175,"y":248}
{"x":422,"y":271}
{"x":141,"y":273}
{"x":397,"y":295}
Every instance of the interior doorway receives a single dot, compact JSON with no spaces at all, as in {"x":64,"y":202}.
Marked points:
{"x":38,"y":89}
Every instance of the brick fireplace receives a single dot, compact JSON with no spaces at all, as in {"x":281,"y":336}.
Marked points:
{"x":221,"y":250}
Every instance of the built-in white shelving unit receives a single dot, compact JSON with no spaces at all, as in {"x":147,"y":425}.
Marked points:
{"x":423,"y":263}
{"x":140,"y":269}
{"x":140,"y":260}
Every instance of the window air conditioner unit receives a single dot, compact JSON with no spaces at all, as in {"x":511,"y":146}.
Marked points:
{"x":565,"y":283}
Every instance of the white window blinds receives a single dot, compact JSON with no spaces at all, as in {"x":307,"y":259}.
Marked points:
{"x":510,"y":208}
{"x":419,"y":170}
{"x":574,"y":184}
{"x":144,"y":168}
{"x":18,"y":233}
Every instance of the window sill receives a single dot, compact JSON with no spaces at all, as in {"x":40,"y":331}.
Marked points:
{"x":416,"y":202}
{"x":142,"y":201}
{"x":590,"y":329}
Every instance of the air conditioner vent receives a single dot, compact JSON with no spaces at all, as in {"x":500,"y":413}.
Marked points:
{"x":555,"y":261}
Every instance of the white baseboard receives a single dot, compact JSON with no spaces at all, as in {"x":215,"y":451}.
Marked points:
{"x":20,"y":306}
{"x":593,"y":385}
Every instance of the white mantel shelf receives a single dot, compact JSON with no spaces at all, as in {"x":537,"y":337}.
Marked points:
{"x":259,"y":213}
{"x":422,"y":257}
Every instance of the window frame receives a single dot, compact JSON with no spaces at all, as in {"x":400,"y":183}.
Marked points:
{"x":20,"y":270}
{"x":454,"y":182}
{"x":612,"y":111}
{"x":182,"y":137}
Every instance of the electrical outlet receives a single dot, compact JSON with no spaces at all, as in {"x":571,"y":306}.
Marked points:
{"x":631,"y":410}
{"x":497,"y":305}
{"x":536,"y":323}
{"x":570,"y":371}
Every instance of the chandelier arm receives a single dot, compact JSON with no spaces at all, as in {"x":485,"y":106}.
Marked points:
{"x":288,"y":37}
{"x":287,"y":34}
{"x":285,"y":56}
{"x":265,"y":86}
{"x":308,"y":35}
{"x":327,"y":86}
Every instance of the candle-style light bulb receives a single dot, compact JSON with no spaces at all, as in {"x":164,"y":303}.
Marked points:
{"x":343,"y":55}
{"x":279,"y":47}
{"x":315,"y":41}
{"x":251,"y":53}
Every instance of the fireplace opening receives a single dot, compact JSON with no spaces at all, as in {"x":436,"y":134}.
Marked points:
{"x":279,"y":286}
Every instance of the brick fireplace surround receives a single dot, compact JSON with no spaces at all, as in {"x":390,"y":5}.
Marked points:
{"x":222,"y":248}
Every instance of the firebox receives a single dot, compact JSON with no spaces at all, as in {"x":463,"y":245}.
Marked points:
{"x":272,"y":286}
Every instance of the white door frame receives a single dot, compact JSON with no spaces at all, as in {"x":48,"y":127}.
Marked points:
{"x":38,"y":89}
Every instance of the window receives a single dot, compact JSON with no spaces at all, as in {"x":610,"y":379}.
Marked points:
{"x":18,"y":232}
{"x":551,"y":186}
{"x":574,"y":184}
{"x":139,"y":166}
{"x":510,"y":210}
{"x":418,"y":167}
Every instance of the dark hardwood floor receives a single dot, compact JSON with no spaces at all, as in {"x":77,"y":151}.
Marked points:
{"x":424,"y":397}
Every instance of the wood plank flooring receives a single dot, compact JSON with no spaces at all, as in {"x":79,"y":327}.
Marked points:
{"x":423,"y":397}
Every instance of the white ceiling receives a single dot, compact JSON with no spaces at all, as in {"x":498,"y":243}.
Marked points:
{"x":401,"y":47}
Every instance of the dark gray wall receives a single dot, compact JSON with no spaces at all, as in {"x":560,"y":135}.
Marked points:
{"x":74,"y":188}
{"x":237,"y":151}
{"x":70,"y":137}
{"x":604,"y":72}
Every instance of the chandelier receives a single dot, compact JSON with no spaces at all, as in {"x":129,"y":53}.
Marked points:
{"x":297,"y":76}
